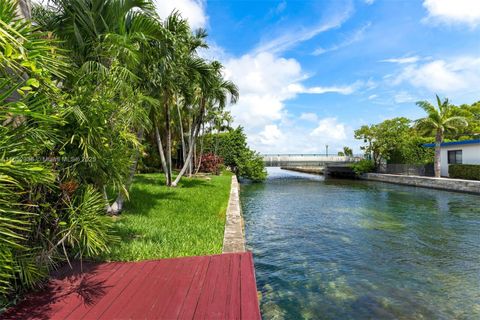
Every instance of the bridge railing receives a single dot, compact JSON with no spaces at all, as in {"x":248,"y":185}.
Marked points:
{"x":314,"y":160}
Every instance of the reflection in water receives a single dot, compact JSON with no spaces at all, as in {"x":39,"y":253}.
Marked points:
{"x":340,"y":249}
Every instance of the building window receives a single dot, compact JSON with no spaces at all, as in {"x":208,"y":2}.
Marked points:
{"x":454,"y":156}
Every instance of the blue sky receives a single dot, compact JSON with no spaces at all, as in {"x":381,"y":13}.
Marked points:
{"x":310,"y":72}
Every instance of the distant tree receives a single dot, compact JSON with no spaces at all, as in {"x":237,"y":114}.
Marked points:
{"x":348,"y":152}
{"x":232,"y":147}
{"x":472,"y":131}
{"x":394,"y":141}
{"x":440,"y":120}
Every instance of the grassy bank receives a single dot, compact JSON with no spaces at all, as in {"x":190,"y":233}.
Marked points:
{"x":162,"y":222}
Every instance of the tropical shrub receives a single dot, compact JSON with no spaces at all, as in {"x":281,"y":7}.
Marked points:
{"x":363,"y":166}
{"x":464,"y":171}
{"x":211,"y":163}
{"x":44,"y":215}
{"x":232,"y":147}
{"x":80,"y":89}
{"x":250,"y":165}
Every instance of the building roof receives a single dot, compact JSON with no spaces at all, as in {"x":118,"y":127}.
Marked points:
{"x":453,"y":143}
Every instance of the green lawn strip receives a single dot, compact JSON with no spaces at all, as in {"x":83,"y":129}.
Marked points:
{"x":162,"y":222}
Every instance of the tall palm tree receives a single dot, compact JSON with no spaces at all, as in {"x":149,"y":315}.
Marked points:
{"x":215,"y":92}
{"x":441,"y":119}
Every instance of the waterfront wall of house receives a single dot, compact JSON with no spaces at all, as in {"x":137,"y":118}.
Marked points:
{"x":458,"y":185}
{"x":234,"y":236}
{"x":470,"y":155}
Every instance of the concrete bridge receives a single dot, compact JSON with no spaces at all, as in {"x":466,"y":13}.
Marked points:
{"x":306,"y":160}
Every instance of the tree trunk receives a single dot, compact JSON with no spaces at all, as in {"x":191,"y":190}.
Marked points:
{"x":438,"y":142}
{"x":201,"y":151}
{"x":189,"y":158}
{"x":108,"y":208}
{"x":182,"y":136}
{"x":196,"y":131}
{"x":160,"y":152}
{"x":24,"y":9}
{"x":117,"y":206}
{"x":190,"y":169}
{"x":169,"y":143}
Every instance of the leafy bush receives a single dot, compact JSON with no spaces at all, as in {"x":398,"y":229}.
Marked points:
{"x":464,"y":171}
{"x":363,"y":166}
{"x":211,"y":163}
{"x":250,"y":165}
{"x":232,"y":147}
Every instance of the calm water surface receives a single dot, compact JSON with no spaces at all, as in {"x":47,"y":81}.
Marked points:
{"x":340,"y":249}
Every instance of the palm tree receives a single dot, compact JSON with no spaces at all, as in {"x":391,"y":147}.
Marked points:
{"x":214,"y":93}
{"x":348,"y":152}
{"x":440,"y":119}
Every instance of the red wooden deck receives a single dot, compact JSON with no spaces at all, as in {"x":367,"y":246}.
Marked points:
{"x":211,"y":287}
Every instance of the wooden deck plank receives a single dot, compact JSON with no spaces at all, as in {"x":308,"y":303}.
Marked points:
{"x":136,"y":300}
{"x":207,"y":294}
{"x":123,"y":281}
{"x":216,"y":307}
{"x":58,"y":294}
{"x":191,"y":300}
{"x":178,"y":290}
{"x":232,"y":308}
{"x":248,"y":293}
{"x":91,"y":290}
{"x":208,"y":287}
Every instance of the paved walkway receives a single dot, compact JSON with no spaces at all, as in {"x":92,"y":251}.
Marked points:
{"x":209,"y":287}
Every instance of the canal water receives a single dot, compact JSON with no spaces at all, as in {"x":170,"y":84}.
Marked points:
{"x":340,"y":249}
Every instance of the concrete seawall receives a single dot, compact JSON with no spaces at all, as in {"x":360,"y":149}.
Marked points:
{"x":458,"y":185}
{"x":234,"y":236}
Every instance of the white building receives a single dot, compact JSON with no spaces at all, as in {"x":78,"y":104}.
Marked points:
{"x":462,"y":152}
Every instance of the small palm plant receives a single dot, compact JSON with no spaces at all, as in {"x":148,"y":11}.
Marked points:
{"x":440,"y":120}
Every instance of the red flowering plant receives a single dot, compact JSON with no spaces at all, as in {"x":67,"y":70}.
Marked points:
{"x":211,"y":163}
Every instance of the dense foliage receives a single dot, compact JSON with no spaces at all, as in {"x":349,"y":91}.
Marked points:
{"x":46,"y":215}
{"x":440,"y":120}
{"x":363,"y":166}
{"x":211,"y":163}
{"x":86,"y":89}
{"x":464,"y":171}
{"x":232,"y":147}
{"x":395,"y":141}
{"x":401,"y":140}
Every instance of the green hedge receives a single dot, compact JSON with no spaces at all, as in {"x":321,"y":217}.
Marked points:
{"x":464,"y":171}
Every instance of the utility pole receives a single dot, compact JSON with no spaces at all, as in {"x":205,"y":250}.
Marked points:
{"x":326,"y":150}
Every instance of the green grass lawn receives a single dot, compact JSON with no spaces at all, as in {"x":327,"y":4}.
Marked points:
{"x":162,"y":222}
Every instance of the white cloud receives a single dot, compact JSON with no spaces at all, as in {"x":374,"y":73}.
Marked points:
{"x":352,"y":38}
{"x":372,"y":96}
{"x":403,"y":60}
{"x":289,"y":39}
{"x":404,"y":97}
{"x":192,"y":10}
{"x":348,"y":89}
{"x":271,"y":135}
{"x":309,"y":116}
{"x":330,"y":129}
{"x":453,"y":11}
{"x":266,"y":82}
{"x":369,"y":2}
{"x":460,"y":75}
